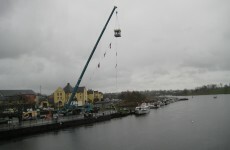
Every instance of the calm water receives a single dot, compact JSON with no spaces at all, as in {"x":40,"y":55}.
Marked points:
{"x":202,"y":123}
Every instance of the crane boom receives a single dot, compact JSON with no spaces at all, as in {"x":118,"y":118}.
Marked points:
{"x":86,"y":65}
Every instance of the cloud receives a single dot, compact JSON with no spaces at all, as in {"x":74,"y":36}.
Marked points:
{"x":164,"y":45}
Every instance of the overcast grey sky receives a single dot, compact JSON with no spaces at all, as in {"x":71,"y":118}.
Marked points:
{"x":165,"y":44}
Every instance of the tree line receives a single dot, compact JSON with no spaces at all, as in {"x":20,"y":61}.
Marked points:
{"x":211,"y":89}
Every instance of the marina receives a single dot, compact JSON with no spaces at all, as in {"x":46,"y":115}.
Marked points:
{"x":10,"y":129}
{"x":182,"y":125}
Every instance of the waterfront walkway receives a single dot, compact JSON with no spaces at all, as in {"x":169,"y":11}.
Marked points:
{"x":14,"y":123}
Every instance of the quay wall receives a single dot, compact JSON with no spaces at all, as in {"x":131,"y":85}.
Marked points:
{"x":25,"y":131}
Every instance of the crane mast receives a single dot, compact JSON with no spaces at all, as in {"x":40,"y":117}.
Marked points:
{"x":87,"y":63}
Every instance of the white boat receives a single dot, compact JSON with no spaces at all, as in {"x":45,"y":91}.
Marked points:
{"x":151,"y":105}
{"x":154,"y":105}
{"x":142,"y":109}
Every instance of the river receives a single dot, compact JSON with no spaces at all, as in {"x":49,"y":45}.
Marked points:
{"x":201,"y":123}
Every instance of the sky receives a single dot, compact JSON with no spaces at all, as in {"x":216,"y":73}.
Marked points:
{"x":164,"y":45}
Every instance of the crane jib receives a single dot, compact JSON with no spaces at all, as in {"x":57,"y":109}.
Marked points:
{"x":86,"y":65}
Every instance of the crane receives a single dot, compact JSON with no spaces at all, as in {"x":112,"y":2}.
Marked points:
{"x":68,"y":104}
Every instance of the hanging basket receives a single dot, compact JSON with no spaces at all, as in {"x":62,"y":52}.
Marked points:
{"x":117,"y":32}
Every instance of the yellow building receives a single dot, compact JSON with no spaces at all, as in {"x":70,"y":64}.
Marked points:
{"x":100,"y":96}
{"x":90,"y":96}
{"x":68,"y":91}
{"x":59,"y":97}
{"x":81,"y":96}
{"x":96,"y":96}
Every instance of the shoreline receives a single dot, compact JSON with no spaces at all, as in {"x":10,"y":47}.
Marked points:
{"x":54,"y":126}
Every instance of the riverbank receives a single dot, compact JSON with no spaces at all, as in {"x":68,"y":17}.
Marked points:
{"x":36,"y":128}
{"x":14,"y":129}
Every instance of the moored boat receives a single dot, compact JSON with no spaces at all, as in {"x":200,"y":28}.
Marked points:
{"x":183,"y":99}
{"x":154,"y":105}
{"x":151,"y":105}
{"x":142,"y":109}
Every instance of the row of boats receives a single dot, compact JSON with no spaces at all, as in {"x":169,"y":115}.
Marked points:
{"x":144,"y":108}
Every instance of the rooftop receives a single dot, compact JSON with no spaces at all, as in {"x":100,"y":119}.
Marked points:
{"x":8,"y":93}
{"x":80,"y":89}
{"x":68,"y":88}
{"x":90,"y":92}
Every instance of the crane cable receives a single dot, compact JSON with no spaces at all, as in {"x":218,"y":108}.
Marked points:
{"x":98,"y":66}
{"x":111,"y":46}
{"x":117,"y":26}
{"x":117,"y":22}
{"x":116,"y":66}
